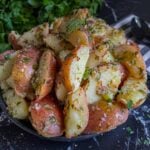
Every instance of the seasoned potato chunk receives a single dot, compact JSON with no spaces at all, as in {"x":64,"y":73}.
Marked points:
{"x":32,"y":38}
{"x":104,"y":116}
{"x":130,"y":56}
{"x":23,"y":70}
{"x":133,"y":93}
{"x":76,"y":113}
{"x":47,"y":117}
{"x":17,"y":106}
{"x":99,"y":55}
{"x":45,"y":75}
{"x":74,"y":66}
{"x":57,"y":43}
{"x":103,"y":83}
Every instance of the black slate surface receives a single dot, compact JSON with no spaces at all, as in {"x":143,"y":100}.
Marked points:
{"x":134,"y":135}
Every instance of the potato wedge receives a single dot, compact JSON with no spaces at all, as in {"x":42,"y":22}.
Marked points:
{"x":76,"y":113}
{"x":17,"y":106}
{"x":47,"y":117}
{"x":23,"y":70}
{"x":74,"y":66}
{"x":60,"y":89}
{"x":105,"y":116}
{"x":57,"y":43}
{"x":99,"y":55}
{"x":131,"y":58}
{"x":103,"y":82}
{"x":133,"y":93}
{"x":44,"y":77}
{"x":32,"y":38}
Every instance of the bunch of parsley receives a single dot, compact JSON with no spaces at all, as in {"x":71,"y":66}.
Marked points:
{"x":22,"y":15}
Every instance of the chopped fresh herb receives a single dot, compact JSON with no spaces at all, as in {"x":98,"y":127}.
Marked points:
{"x":75,"y":24}
{"x":86,"y":74}
{"x":107,"y":98}
{"x":26,"y":59}
{"x":129,"y":104}
{"x":129,"y":130}
{"x":7,"y":57}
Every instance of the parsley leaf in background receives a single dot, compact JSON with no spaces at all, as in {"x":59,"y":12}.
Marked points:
{"x":22,"y":15}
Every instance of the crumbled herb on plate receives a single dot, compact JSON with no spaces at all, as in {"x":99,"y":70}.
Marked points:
{"x":129,"y":130}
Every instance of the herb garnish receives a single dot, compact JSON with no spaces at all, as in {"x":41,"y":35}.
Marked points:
{"x":129,"y":104}
{"x":75,"y":24}
{"x":87,"y":73}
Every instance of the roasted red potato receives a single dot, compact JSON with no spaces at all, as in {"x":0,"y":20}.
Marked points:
{"x":45,"y":75}
{"x":78,"y":38}
{"x":47,"y":117}
{"x":23,"y":70}
{"x":133,"y":93}
{"x":104,"y":116}
{"x":74,"y":66}
{"x":31,"y":38}
{"x":131,"y":58}
{"x":76,"y":113}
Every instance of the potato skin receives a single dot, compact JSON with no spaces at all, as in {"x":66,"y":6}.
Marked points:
{"x":104,"y":116}
{"x":78,"y":38}
{"x":45,"y":75}
{"x":47,"y":117}
{"x":23,"y":70}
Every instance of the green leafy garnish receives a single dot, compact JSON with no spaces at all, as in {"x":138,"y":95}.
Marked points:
{"x":129,"y":104}
{"x":87,"y":73}
{"x":75,"y":24}
{"x":129,"y":130}
{"x":7,"y":57}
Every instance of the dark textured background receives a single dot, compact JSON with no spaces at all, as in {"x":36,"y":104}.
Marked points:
{"x":13,"y":138}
